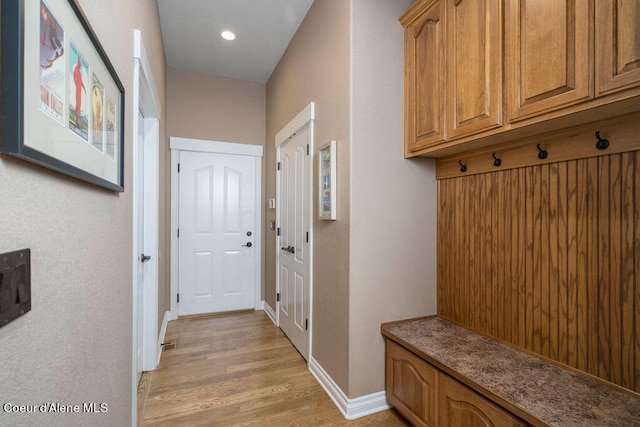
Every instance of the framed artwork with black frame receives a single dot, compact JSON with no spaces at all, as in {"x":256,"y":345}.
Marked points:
{"x":62,"y":101}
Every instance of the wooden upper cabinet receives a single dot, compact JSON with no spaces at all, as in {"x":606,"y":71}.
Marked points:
{"x":481,"y":71}
{"x":474,"y":68}
{"x":617,"y":33}
{"x":424,"y":76}
{"x":549,"y":65}
{"x":459,"y":406}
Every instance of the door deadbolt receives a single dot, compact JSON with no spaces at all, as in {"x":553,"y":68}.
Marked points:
{"x":249,"y":233}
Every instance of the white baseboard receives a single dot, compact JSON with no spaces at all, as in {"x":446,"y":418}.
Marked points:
{"x":270,"y":312}
{"x":350,"y":408}
{"x":163,"y":331}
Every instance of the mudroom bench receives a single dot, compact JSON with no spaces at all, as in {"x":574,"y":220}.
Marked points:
{"x":441,"y":374}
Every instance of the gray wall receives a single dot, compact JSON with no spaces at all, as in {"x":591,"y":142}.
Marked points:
{"x":75,"y":345}
{"x":376,"y":263}
{"x":315,"y":67}
{"x":215,"y":108}
{"x":203,"y":106}
{"x":393,"y":200}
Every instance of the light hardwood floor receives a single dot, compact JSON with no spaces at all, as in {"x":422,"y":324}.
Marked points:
{"x":237,"y":369}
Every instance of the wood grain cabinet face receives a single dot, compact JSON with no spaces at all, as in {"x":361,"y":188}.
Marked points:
{"x":550,"y":65}
{"x":425,"y":79}
{"x":474,"y":67}
{"x":617,"y":34}
{"x":459,"y":406}
{"x":411,"y":385}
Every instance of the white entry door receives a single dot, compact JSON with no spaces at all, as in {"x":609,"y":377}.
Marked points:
{"x":217,"y":232}
{"x":294,"y":251}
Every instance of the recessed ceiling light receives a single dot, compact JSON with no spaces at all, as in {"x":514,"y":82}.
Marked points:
{"x":228,"y":35}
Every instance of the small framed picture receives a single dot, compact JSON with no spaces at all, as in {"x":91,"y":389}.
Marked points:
{"x":327,"y":182}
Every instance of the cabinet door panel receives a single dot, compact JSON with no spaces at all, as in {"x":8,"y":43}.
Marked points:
{"x":549,"y":61}
{"x":474,"y":69}
{"x":425,"y":77}
{"x":411,"y":385}
{"x":617,"y":45}
{"x":460,"y":406}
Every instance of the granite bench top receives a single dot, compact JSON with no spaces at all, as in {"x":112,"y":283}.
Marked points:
{"x":533,"y":389}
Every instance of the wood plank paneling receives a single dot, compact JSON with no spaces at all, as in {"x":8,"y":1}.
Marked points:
{"x":592,"y":264}
{"x":457,"y":198}
{"x":627,"y":291}
{"x":572,"y":265}
{"x":552,"y":300}
{"x":520,"y":267}
{"x":485,"y":238}
{"x":561,"y":266}
{"x":615,"y":223}
{"x":547,"y":258}
{"x":582,"y":271}
{"x":604,"y":291}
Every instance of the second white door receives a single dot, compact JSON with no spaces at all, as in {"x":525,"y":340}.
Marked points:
{"x":294,"y":251}
{"x":217,"y":232}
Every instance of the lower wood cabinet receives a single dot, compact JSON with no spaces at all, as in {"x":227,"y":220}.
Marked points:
{"x":425,"y":396}
{"x":458,"y":405}
{"x":411,"y":385}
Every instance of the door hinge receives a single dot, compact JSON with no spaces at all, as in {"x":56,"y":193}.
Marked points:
{"x":178,"y":167}
{"x":278,"y":231}
{"x":278,"y":165}
{"x":278,"y":297}
{"x":307,"y":237}
{"x":178,"y":233}
{"x":178,"y":298}
{"x":307,"y":149}
{"x":306,"y":324}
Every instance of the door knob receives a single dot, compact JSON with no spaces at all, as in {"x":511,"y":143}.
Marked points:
{"x":144,"y":258}
{"x":291,"y":249}
{"x":248,"y":245}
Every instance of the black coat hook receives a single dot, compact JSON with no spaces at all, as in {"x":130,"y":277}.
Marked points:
{"x":542,"y":154}
{"x":602,"y":144}
{"x":496,"y":161}
{"x":463,"y":167}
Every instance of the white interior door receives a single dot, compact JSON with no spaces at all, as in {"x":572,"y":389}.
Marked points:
{"x":294,"y":251}
{"x":217,"y":232}
{"x":146,"y":128}
{"x":140,"y":266}
{"x":146,"y":244}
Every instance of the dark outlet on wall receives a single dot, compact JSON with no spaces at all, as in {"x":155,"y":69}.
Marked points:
{"x":15,"y":285}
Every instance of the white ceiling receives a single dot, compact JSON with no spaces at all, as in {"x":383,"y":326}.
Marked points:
{"x":263,"y":28}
